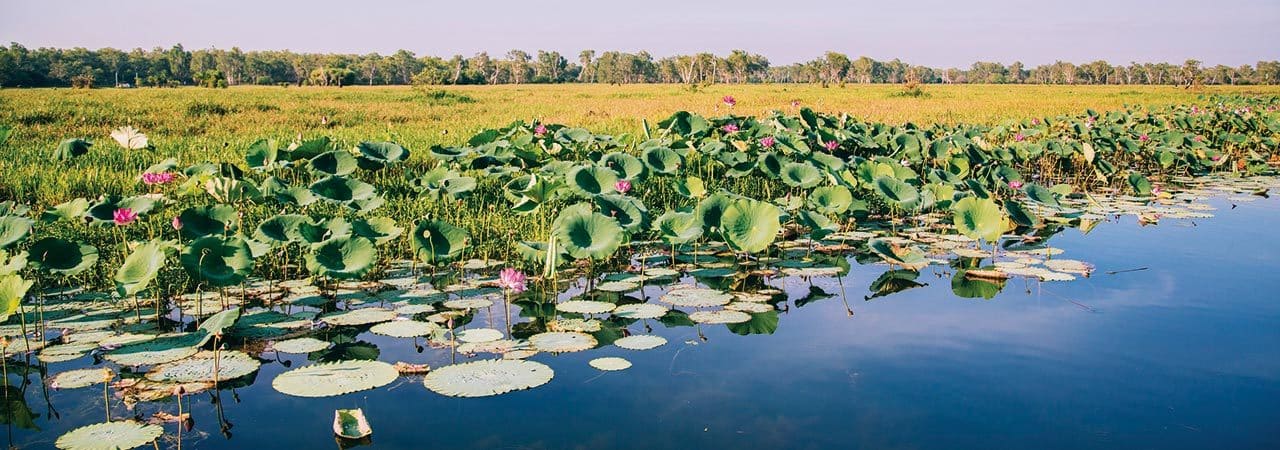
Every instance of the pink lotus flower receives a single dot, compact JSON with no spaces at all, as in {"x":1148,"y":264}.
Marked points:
{"x":177,"y":223}
{"x":795,"y":103}
{"x":158,"y":178}
{"x":540,"y":130}
{"x":1194,"y":110}
{"x":1019,"y":137}
{"x":1015,"y":185}
{"x":1198,"y":138}
{"x":767,"y":142}
{"x":1156,"y":189}
{"x":1144,"y":138}
{"x":729,"y":100}
{"x":512,"y":279}
{"x":730,"y":128}
{"x":124,"y":216}
{"x":905,"y":162}
{"x":1215,"y":158}
{"x":1035,"y":121}
{"x":622,"y":186}
{"x":831,"y":145}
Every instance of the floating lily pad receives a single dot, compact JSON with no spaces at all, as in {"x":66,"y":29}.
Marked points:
{"x":610,"y":363}
{"x":696,"y":297}
{"x":585,"y":307}
{"x":749,"y":307}
{"x":721,"y":316}
{"x":640,"y":342}
{"x":66,"y":352}
{"x":200,"y":367}
{"x":75,"y":379}
{"x":640,"y":311}
{"x":120,"y":435}
{"x":362,"y":316}
{"x":159,"y":350}
{"x":479,"y":335}
{"x":300,"y":345}
{"x":469,"y":303}
{"x":405,"y":328}
{"x":562,"y":341}
{"x":329,"y":379}
{"x":487,"y":377}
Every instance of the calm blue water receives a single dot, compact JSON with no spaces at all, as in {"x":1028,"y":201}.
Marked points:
{"x":1185,"y":354}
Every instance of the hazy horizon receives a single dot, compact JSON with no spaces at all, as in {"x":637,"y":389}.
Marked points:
{"x":934,"y":33}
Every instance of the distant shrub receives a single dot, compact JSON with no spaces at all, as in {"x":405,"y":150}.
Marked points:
{"x":912,"y":89}
{"x":37,"y":118}
{"x":201,"y":109}
{"x":441,"y":97}
{"x":263,"y":107}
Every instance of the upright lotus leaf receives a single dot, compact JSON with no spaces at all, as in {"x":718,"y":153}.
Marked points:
{"x":690,"y":187}
{"x":264,"y":155}
{"x":771,"y":163}
{"x":232,"y":189}
{"x":1041,"y":195}
{"x":678,"y":227}
{"x":12,"y":289}
{"x":14,"y":229}
{"x":831,"y":199}
{"x":436,"y":242}
{"x":218,"y":261}
{"x":589,"y":181}
{"x":343,"y":257}
{"x":308,"y":149}
{"x":376,"y":155}
{"x":979,"y":218}
{"x":211,"y":220}
{"x":221,"y":321}
{"x":380,"y":229}
{"x":1141,"y":186}
{"x":943,"y":195}
{"x":285,"y":228}
{"x":800,"y":175}
{"x":819,"y":226}
{"x":1020,"y":214}
{"x":750,"y":225}
{"x":342,"y":190}
{"x":71,"y":210}
{"x":70,"y":149}
{"x":710,"y":209}
{"x":662,"y":160}
{"x":441,"y":182}
{"x":686,"y":124}
{"x":626,"y":166}
{"x":897,"y":193}
{"x":628,"y":211}
{"x":587,"y":234}
{"x":12,"y":264}
{"x":62,"y":256}
{"x":335,"y":162}
{"x":141,"y":267}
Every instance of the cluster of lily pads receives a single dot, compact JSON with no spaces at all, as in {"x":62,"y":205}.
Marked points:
{"x":713,"y":213}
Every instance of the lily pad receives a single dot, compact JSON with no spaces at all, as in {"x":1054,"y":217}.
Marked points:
{"x":405,"y":328}
{"x":562,"y":341}
{"x":362,"y":316}
{"x":299,"y":345}
{"x":121,"y":435}
{"x":610,"y":363}
{"x":721,"y":316}
{"x":640,"y":311}
{"x":487,"y":377}
{"x":75,"y":379}
{"x":200,"y":367}
{"x":640,"y":342}
{"x":585,"y":307}
{"x":330,"y":379}
{"x":696,"y":297}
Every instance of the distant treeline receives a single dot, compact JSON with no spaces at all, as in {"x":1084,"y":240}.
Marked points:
{"x":176,"y":66}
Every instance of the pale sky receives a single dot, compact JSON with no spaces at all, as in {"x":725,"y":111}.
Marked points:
{"x":939,"y":33}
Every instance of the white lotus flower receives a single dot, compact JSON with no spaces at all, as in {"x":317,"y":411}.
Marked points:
{"x":129,"y":137}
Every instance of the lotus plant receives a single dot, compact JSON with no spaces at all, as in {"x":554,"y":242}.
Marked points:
{"x":729,"y":100}
{"x":768,"y":142}
{"x":730,"y":128}
{"x":622,"y":186}
{"x":124,"y":216}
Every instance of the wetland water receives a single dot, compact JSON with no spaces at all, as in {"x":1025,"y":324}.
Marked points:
{"x":1183,"y":354}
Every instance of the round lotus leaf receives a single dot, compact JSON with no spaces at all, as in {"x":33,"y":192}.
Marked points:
{"x":469,"y":303}
{"x":299,"y":345}
{"x":696,"y":297}
{"x":140,"y":267}
{"x":617,"y":286}
{"x":678,"y":227}
{"x":435,"y":242}
{"x":363,"y":316}
{"x":628,"y":211}
{"x":75,"y":379}
{"x":14,"y":229}
{"x":376,"y":155}
{"x":640,"y":311}
{"x":562,"y":341}
{"x":800,"y":175}
{"x":721,"y":316}
{"x":479,"y":335}
{"x":586,"y":234}
{"x":334,"y":162}
{"x":218,"y":261}
{"x":590,"y":181}
{"x":897,"y":193}
{"x":200,"y":368}
{"x":641,"y":342}
{"x":487,"y":377}
{"x":579,"y":325}
{"x":212,"y":220}
{"x":1069,"y":266}
{"x":283,"y":228}
{"x":585,"y":307}
{"x":380,"y":229}
{"x":750,"y":225}
{"x":62,"y":256}
{"x":330,"y":379}
{"x":662,"y":160}
{"x":831,"y":199}
{"x":159,"y":350}
{"x":979,"y":218}
{"x":342,"y":190}
{"x":66,"y":352}
{"x":626,"y":166}
{"x":500,"y":346}
{"x":610,"y":363}
{"x":343,"y":257}
{"x":119,"y":435}
{"x":405,"y":328}
{"x":749,"y":307}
